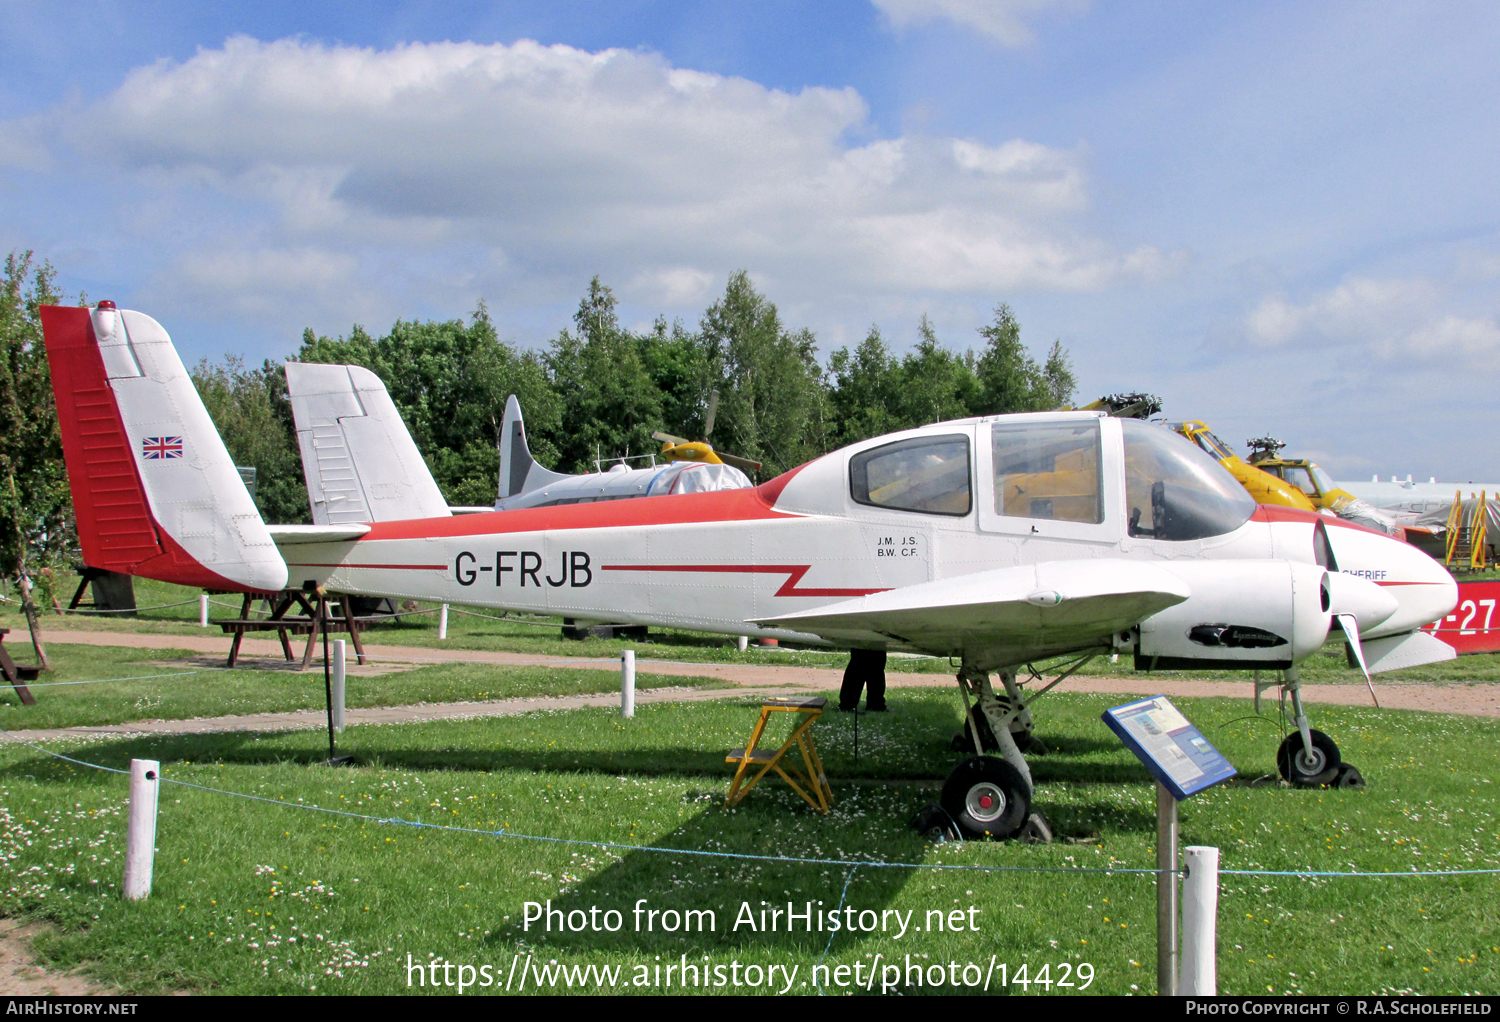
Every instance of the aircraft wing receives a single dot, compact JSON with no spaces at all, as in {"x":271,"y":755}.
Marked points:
{"x":1056,"y":603}
{"x":285,"y":535}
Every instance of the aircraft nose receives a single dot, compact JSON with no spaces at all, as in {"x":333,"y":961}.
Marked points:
{"x":1423,"y":589}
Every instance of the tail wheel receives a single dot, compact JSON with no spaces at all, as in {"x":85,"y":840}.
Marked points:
{"x":1315,"y":770}
{"x":987,"y":797}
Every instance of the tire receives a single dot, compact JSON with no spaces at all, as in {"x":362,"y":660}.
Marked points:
{"x":1290,"y":760}
{"x":986,"y":733}
{"x":987,"y":797}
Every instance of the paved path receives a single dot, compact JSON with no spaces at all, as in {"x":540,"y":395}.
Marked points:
{"x":298,"y":720}
{"x":750,"y":680}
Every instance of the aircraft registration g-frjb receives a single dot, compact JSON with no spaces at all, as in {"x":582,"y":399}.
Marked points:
{"x":999,"y":541}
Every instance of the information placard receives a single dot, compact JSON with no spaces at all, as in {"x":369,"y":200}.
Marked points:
{"x":1169,"y":745}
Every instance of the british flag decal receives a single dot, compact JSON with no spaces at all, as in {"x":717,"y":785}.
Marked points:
{"x":155,"y":448}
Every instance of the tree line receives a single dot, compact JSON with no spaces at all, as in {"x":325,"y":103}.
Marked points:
{"x":591,"y":396}
{"x":598,"y":390}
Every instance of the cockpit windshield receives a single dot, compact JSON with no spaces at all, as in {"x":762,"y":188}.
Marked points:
{"x":1213,"y":445}
{"x":1175,"y":491}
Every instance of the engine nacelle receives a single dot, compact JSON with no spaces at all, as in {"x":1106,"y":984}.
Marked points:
{"x":1257,"y":615}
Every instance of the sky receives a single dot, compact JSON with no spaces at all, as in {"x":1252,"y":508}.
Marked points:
{"x":1280,"y":217}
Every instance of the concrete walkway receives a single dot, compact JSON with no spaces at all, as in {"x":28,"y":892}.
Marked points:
{"x":301,"y":720}
{"x":750,"y":681}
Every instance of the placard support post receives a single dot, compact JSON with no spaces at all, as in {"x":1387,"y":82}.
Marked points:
{"x":1166,"y":892}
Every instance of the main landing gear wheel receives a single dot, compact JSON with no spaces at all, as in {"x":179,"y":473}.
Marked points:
{"x":1309,"y":772}
{"x":987,"y":797}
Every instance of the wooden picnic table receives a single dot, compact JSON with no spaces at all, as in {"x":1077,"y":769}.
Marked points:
{"x":16,"y":673}
{"x":312,"y":623}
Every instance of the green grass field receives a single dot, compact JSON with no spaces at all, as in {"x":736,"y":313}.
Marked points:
{"x":252,"y":897}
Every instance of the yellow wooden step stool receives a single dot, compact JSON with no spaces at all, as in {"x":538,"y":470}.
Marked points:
{"x":812,"y":775}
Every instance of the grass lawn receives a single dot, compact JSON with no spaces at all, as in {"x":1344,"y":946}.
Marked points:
{"x":252,"y":897}
{"x":171,"y":684}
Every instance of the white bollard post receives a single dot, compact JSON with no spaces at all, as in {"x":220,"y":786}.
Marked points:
{"x":1200,"y":923}
{"x":627,"y":684}
{"x":743,"y":643}
{"x":203,"y":611}
{"x":140,"y":832}
{"x":340,"y":663}
{"x":443,"y":622}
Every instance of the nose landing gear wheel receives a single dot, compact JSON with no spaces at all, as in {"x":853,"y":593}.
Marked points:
{"x":987,"y":797}
{"x":1315,"y":771}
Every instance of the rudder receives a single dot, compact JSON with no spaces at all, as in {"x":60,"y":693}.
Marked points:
{"x":155,"y":492}
{"x":519,"y":471}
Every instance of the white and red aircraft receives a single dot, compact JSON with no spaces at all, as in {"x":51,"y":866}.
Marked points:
{"x":998,"y":541}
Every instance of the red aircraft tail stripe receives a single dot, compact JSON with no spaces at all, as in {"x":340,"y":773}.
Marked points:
{"x":114,"y":524}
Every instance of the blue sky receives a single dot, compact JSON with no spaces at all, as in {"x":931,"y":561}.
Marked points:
{"x":1281,"y":217}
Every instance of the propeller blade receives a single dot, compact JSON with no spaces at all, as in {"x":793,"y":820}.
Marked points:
{"x":713,"y":413}
{"x":1350,"y":625}
{"x":668,"y":438}
{"x":743,"y":464}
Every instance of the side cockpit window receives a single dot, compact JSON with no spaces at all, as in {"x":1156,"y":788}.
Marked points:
{"x":927,"y":474}
{"x":1048,"y":470}
{"x":1174,"y":491}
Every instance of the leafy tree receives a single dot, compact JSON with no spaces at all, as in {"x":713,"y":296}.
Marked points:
{"x":1057,"y":375}
{"x":864,"y":394}
{"x":36,"y":527}
{"x":678,"y":365}
{"x":1011,"y":379}
{"x":450,"y":381}
{"x":937,"y":384}
{"x":771,"y":400}
{"x":253,"y":414}
{"x":610,"y":402}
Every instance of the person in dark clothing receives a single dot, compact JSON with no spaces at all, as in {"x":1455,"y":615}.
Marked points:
{"x":866,"y":670}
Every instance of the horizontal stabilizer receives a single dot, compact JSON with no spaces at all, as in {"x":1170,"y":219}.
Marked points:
{"x":1413,"y":649}
{"x":357,"y":456}
{"x":288,"y":535}
{"x":1058,"y":603}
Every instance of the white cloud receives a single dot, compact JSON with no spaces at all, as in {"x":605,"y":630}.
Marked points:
{"x":1359,"y":308}
{"x":254,"y":284}
{"x":1001,"y":20}
{"x":1390,"y":318}
{"x":670,"y":288}
{"x":552,"y":162}
{"x":1452,"y":335}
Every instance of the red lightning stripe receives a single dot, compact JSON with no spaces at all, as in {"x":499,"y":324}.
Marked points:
{"x":793,"y":573}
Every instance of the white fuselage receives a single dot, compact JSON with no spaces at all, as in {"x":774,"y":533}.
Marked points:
{"x":718,"y":562}
{"x":1412,"y":498}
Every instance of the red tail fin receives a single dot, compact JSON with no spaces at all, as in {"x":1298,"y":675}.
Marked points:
{"x":117,"y":525}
